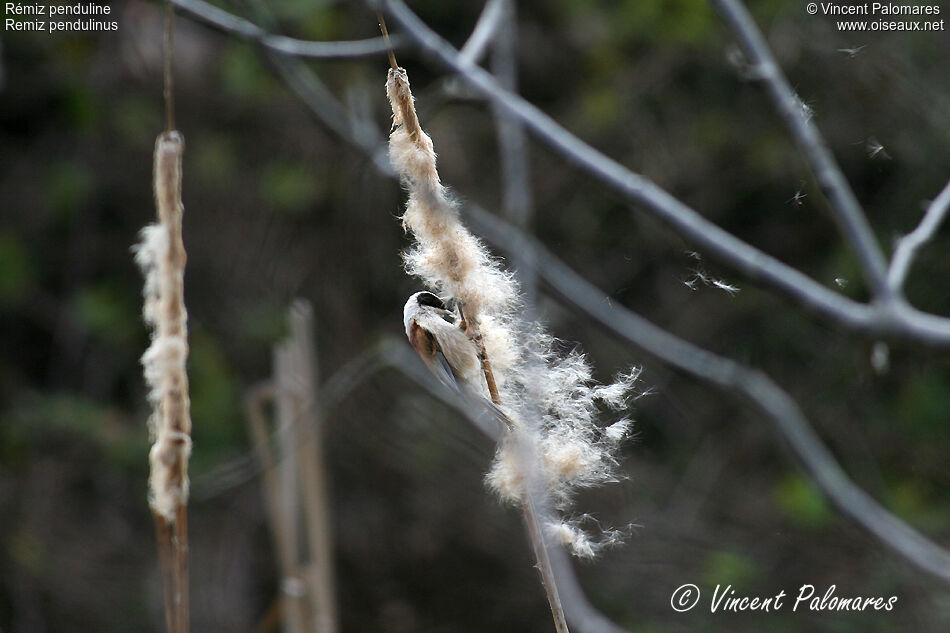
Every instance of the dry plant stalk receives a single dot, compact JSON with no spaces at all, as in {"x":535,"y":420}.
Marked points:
{"x":161,"y":255}
{"x":296,"y":481}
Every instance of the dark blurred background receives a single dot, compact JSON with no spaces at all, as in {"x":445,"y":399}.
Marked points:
{"x":277,"y":207}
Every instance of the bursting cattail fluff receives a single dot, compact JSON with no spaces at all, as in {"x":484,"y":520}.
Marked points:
{"x":556,"y":444}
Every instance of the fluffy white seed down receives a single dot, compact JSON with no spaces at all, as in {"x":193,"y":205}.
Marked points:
{"x":558,"y":444}
{"x":572,"y":536}
{"x":152,"y":249}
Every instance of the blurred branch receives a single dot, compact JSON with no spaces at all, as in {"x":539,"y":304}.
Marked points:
{"x":580,"y":612}
{"x":388,"y":354}
{"x":288,"y":606}
{"x":230,"y":23}
{"x":489,"y":22}
{"x":895,"y":319}
{"x":239,"y":470}
{"x":282,"y":51}
{"x":731,"y":377}
{"x":910,"y":244}
{"x":846,"y":210}
{"x":512,"y":142}
{"x":331,"y":113}
{"x":399,"y":356}
{"x":362,"y":134}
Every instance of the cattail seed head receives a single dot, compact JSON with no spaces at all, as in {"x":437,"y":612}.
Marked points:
{"x":161,"y":256}
{"x":556,"y":444}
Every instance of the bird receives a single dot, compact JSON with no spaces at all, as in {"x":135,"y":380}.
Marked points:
{"x":438,"y":336}
{"x":436,"y":333}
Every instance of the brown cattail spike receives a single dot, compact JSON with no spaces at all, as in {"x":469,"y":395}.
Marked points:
{"x":404,"y":112}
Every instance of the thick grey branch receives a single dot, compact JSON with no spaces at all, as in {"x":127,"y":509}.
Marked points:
{"x":847,"y":212}
{"x":908,"y":245}
{"x":230,"y":23}
{"x":731,"y":377}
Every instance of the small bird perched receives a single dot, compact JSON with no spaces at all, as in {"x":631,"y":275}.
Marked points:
{"x":437,"y":336}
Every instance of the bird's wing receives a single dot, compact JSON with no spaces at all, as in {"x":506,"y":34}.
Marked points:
{"x":429,"y":350}
{"x":490,"y":419}
{"x":442,"y":370}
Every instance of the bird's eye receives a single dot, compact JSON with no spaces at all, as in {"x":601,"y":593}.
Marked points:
{"x":429,"y":299}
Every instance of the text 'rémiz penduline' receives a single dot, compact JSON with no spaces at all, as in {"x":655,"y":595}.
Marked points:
{"x":26,"y":14}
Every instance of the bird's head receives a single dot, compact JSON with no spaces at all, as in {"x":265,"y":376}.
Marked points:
{"x":426,"y":303}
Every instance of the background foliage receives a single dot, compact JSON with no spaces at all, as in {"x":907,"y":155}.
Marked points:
{"x":277,"y":207}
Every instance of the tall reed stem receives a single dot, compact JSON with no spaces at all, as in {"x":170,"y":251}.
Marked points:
{"x":162,"y":258}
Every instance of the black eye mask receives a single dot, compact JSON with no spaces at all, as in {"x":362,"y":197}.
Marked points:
{"x":429,"y":299}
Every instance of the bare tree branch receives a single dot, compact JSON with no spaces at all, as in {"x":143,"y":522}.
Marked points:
{"x":490,"y":20}
{"x":910,"y":244}
{"x":363,"y":135}
{"x":895,"y":319}
{"x":847,"y":212}
{"x":230,"y":23}
{"x":731,"y":377}
{"x":331,"y":113}
{"x":301,"y":79}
